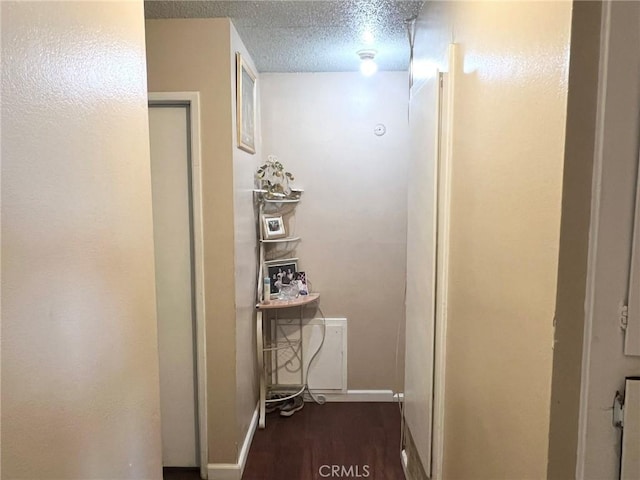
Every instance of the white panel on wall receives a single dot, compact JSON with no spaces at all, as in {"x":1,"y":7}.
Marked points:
{"x":329,"y":369}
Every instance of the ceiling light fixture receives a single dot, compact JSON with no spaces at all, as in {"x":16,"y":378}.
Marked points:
{"x":368,"y":66}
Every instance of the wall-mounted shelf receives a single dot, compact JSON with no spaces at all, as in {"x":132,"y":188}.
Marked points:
{"x":296,"y":194}
{"x":282,"y":240}
{"x":294,"y":302}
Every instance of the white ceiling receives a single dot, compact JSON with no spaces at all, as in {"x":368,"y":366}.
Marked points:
{"x":308,"y":35}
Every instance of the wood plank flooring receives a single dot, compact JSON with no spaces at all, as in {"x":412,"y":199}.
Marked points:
{"x":177,"y":473}
{"x":319,"y":438}
{"x":364,"y":438}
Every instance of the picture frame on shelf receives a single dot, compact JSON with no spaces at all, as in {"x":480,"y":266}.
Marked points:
{"x":281,"y":272}
{"x":301,"y":279}
{"x":273,"y":227}
{"x":245,"y":105}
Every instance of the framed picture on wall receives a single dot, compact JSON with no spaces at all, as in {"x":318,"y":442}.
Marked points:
{"x":245,"y":106}
{"x":273,"y":227}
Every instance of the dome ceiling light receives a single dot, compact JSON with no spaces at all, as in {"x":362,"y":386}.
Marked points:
{"x":368,"y":65}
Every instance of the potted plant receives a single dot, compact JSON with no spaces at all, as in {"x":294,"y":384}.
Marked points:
{"x":274,"y":179}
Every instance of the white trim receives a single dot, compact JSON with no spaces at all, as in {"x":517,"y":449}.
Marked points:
{"x":224,"y":471}
{"x":246,"y":445}
{"x":596,"y":188}
{"x":442,"y":267}
{"x":361,"y":396}
{"x":234,"y":471}
{"x":192,"y":99}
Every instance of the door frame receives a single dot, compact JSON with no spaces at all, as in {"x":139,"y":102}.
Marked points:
{"x":192,"y":101}
{"x":594,"y":226}
{"x":609,"y":213}
{"x":442,"y":200}
{"x":443,"y":213}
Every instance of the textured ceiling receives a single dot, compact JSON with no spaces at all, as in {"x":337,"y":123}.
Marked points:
{"x":308,"y":35}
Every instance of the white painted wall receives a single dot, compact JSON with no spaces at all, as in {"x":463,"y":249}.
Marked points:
{"x":245,"y":251}
{"x":352,"y":217}
{"x":607,"y":366}
{"x":79,"y":357}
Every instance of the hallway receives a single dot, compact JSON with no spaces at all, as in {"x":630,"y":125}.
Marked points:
{"x":471,"y":218}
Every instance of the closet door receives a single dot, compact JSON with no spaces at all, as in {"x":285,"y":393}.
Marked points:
{"x":421,"y":265}
{"x":172,"y":231}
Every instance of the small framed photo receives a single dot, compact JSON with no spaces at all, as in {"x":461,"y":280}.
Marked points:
{"x":281,"y":272}
{"x":301,"y":279}
{"x":245,"y":105}
{"x":273,"y":227}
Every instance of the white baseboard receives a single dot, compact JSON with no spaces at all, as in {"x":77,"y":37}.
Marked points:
{"x":234,"y":471}
{"x":359,"y":396}
{"x":223,"y":471}
{"x":246,"y":445}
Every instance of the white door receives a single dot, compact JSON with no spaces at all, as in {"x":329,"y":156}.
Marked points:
{"x":421,"y":265}
{"x":171,"y":186}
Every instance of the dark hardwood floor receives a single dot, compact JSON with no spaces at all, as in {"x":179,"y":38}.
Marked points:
{"x":335,"y":440}
{"x":176,"y":473}
{"x":338,"y":441}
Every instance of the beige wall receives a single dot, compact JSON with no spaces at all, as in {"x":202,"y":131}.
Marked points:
{"x":199,"y":55}
{"x":79,"y":345}
{"x":352,"y":217}
{"x":508,"y":151}
{"x":607,"y":366}
{"x":244,"y":167}
{"x":574,"y":239}
{"x":193,"y":55}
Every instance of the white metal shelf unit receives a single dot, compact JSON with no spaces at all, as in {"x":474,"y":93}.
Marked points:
{"x":284,"y":206}
{"x":265,"y":348}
